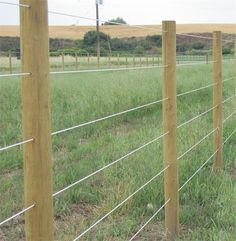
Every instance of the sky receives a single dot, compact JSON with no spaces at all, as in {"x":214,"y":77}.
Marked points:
{"x":133,"y":11}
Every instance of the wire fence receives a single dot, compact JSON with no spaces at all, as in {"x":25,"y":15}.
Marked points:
{"x":38,"y":144}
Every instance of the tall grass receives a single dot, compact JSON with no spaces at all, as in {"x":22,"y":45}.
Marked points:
{"x":207,"y":203}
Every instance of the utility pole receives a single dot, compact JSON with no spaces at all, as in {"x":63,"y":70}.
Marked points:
{"x":98,"y":32}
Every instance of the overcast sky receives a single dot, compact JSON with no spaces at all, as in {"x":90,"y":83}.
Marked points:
{"x":134,"y":11}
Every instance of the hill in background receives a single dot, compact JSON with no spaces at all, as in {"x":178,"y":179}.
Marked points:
{"x":121,"y":31}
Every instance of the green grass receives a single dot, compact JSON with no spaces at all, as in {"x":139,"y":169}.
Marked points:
{"x":207,"y":203}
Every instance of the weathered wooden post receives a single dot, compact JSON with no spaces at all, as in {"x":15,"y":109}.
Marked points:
{"x":63,"y":60}
{"x":171,"y":182}
{"x":217,"y":99}
{"x":10,"y":61}
{"x":76,"y":60}
{"x":36,"y":120}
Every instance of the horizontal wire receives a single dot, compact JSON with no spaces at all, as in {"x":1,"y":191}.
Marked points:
{"x":198,"y":170}
{"x":153,"y":216}
{"x":195,"y":90}
{"x":194,"y":36}
{"x":197,"y":63}
{"x":227,"y":59}
{"x":196,"y":117}
{"x":227,"y":139}
{"x":231,"y":78}
{"x":17,"y":214}
{"x":14,"y":75}
{"x":233,"y":113}
{"x":109,"y":165}
{"x":15,"y":145}
{"x":198,"y":143}
{"x":15,"y":4}
{"x":107,"y":117}
{"x":107,"y":70}
{"x":228,"y":99}
{"x":119,"y":205}
{"x":203,"y":37}
{"x":101,"y":20}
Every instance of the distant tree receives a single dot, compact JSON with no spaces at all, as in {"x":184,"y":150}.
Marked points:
{"x":155,"y":39}
{"x":117,"y":20}
{"x":226,"y":51}
{"x":198,"y":45}
{"x":90,"y":38}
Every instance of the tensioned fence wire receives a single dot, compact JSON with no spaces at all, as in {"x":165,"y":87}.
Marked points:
{"x":110,"y":164}
{"x":188,"y":180}
{"x":120,"y":204}
{"x":17,"y":214}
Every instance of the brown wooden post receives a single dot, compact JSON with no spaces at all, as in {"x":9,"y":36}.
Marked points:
{"x":153,"y":61}
{"x":217,"y":99}
{"x":10,"y":61}
{"x":171,"y":182}
{"x":109,"y":60}
{"x":63,"y":60}
{"x":207,"y":58}
{"x":98,"y":61}
{"x":88,"y":58}
{"x":36,"y":120}
{"x":76,"y":60}
{"x":118,"y":59}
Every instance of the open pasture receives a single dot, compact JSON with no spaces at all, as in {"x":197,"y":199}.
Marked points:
{"x":206,"y":203}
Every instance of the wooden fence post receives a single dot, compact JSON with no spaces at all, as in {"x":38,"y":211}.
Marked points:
{"x":207,"y":58}
{"x":76,"y":61}
{"x":10,"y":61}
{"x":217,"y":99}
{"x":88,"y":58}
{"x":109,"y":60}
{"x":171,"y":182}
{"x":36,"y":120}
{"x":118,"y":59}
{"x":63,"y":60}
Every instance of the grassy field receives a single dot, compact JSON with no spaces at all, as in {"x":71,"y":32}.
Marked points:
{"x":77,"y":32}
{"x":207,"y":203}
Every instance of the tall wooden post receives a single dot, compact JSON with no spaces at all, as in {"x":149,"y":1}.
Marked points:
{"x":36,"y":120}
{"x":109,"y":60}
{"x":88,"y":58}
{"x":118,"y":59}
{"x":207,"y":58}
{"x":10,"y":61}
{"x":76,"y":60}
{"x":171,"y":183}
{"x":63,"y":60}
{"x":217,"y":99}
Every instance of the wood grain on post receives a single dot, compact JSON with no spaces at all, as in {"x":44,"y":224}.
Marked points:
{"x":171,"y":182}
{"x":36,"y":120}
{"x":217,"y":99}
{"x":10,"y":61}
